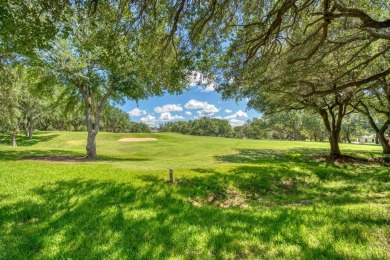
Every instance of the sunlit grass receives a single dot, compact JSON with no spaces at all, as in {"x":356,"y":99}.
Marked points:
{"x":232,"y":199}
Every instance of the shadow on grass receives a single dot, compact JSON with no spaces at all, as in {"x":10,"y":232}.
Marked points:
{"x":38,"y":138}
{"x":258,"y":156}
{"x":58,"y":156}
{"x":15,"y":154}
{"x":288,"y":184}
{"x":272,"y":177}
{"x":308,"y":155}
{"x":92,"y":219}
{"x":115,"y":159}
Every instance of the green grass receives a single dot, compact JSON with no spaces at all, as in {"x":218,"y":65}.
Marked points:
{"x":232,"y":199}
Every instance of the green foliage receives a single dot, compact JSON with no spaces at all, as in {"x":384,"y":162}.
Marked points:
{"x":257,"y":128}
{"x":203,"y":126}
{"x":313,"y":127}
{"x":117,"y":121}
{"x":114,"y":120}
{"x":289,"y":124}
{"x":110,"y":52}
{"x":136,"y":127}
{"x":11,"y":85}
{"x":354,"y":126}
{"x":26,"y":25}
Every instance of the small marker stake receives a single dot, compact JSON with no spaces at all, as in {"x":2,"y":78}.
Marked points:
{"x":171,"y":175}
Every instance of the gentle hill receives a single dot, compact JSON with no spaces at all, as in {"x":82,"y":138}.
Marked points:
{"x":180,"y":150}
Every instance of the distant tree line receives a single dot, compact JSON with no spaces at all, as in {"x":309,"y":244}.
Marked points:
{"x":203,"y":127}
{"x":292,"y":125}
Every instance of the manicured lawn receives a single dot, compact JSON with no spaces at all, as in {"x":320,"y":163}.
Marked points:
{"x":232,"y":199}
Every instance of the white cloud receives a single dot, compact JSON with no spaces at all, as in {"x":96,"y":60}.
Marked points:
{"x":168,"y":108}
{"x":206,"y":109}
{"x":195,"y":104}
{"x":150,"y":120}
{"x":238,"y":114}
{"x":208,"y":112}
{"x":228,"y":111}
{"x":188,"y":113}
{"x":209,"y":87}
{"x":196,"y":79}
{"x":166,"y":116}
{"x":218,"y":117}
{"x":137,"y":112}
{"x":236,"y":122}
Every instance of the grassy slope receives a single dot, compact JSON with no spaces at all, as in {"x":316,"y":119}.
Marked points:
{"x":233,"y":199}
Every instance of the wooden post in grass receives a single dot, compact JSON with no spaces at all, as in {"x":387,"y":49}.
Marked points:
{"x":171,"y":175}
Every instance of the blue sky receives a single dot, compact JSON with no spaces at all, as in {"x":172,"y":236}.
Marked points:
{"x":200,"y":100}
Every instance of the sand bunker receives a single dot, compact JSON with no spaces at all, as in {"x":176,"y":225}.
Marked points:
{"x":133,"y":139}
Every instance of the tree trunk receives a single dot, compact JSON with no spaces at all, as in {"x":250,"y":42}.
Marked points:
{"x":93,"y":110}
{"x":13,"y":136}
{"x":93,"y":129}
{"x":380,"y":132}
{"x":348,"y":136}
{"x":91,"y":144}
{"x":30,"y":132}
{"x":26,"y":127}
{"x":334,"y":144}
{"x":333,"y":127}
{"x":385,"y":144}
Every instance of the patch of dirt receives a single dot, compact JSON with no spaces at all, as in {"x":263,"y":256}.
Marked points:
{"x":228,"y":199}
{"x":134,"y":139}
{"x":58,"y":159}
{"x":194,"y":202}
{"x":287,"y":183}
